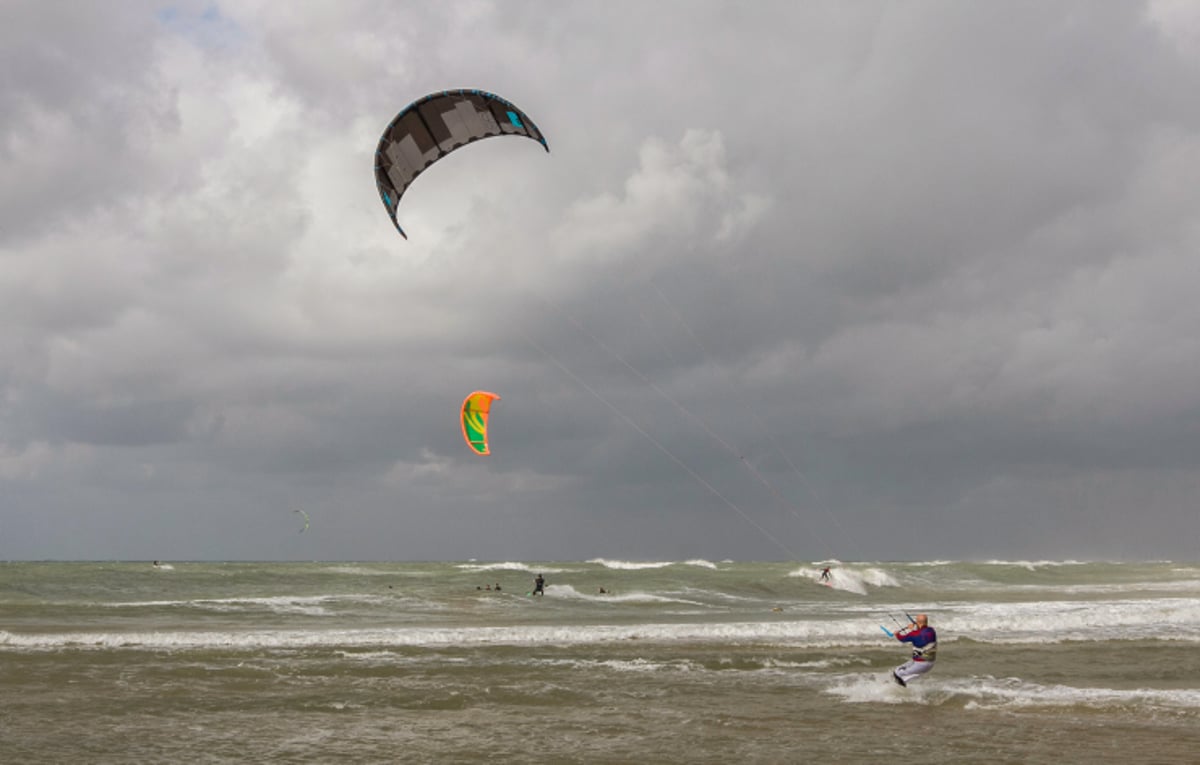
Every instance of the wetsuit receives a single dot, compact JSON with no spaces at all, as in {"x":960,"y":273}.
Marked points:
{"x":924,"y":653}
{"x":538,"y":584}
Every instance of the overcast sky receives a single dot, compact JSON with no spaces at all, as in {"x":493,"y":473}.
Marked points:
{"x":797,"y":280}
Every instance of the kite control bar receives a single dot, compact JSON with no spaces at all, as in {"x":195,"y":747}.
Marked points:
{"x":889,"y":633}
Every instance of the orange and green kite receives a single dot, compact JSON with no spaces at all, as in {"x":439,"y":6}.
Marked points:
{"x":475,"y":410}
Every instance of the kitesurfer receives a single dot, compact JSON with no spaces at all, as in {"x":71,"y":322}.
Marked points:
{"x":539,"y":585}
{"x":923,"y":639}
{"x":497,"y":587}
{"x":825,"y":575}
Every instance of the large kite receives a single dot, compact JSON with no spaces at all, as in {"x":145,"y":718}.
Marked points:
{"x":432,"y":127}
{"x":475,"y":410}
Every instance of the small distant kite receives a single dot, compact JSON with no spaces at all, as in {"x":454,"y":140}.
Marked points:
{"x":431,"y":127}
{"x":305,"y":520}
{"x":475,"y":410}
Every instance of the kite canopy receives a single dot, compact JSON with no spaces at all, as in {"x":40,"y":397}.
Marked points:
{"x":432,"y":127}
{"x":475,"y":410}
{"x":305,"y":520}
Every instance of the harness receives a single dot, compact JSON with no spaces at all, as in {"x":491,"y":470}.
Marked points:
{"x":927,"y":651}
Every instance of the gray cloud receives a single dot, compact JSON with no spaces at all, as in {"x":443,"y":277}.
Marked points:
{"x":796,"y":280}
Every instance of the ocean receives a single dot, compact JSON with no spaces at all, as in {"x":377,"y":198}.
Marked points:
{"x":677,"y":662}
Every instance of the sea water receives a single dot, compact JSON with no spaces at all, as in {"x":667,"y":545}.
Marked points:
{"x":677,"y":662}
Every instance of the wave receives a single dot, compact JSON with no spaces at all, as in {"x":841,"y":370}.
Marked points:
{"x":1178,"y":585}
{"x":628,"y":565}
{"x":566,"y":591}
{"x":509,"y":566}
{"x":1177,"y":622}
{"x":283,"y":604}
{"x":1061,"y":621}
{"x":1034,"y":565}
{"x":1003,"y":693}
{"x":358,"y":571}
{"x":810,"y":634}
{"x":849,"y":579}
{"x":633,"y":565}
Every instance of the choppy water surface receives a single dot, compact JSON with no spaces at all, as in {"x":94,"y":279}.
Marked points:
{"x":689,"y":662}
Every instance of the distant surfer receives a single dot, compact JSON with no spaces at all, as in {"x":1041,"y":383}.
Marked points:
{"x":923,"y":639}
{"x":826,"y":575}
{"x":497,"y":587}
{"x":603,"y":591}
{"x":539,"y":586}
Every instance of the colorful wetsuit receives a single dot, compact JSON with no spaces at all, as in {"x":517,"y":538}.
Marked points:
{"x":924,"y":653}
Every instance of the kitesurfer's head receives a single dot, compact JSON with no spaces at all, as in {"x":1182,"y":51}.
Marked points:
{"x":922,"y":620}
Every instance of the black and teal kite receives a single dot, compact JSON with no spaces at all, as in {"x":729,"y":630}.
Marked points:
{"x":431,"y":127}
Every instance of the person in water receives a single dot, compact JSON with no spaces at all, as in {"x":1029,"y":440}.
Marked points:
{"x":825,"y":575}
{"x":497,"y":587}
{"x":923,"y":639}
{"x":539,"y":585}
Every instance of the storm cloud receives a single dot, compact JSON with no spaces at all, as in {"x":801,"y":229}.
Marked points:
{"x":805,"y":280}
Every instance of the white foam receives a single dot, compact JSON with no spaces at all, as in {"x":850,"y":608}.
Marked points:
{"x":1057,"y":621}
{"x":814,"y":664}
{"x":312,"y":604}
{"x":877,"y":577}
{"x":628,"y":565}
{"x":1034,"y":565}
{"x":1013,"y":692}
{"x":632,"y":565}
{"x":509,"y":566}
{"x":619,"y":665}
{"x":809,"y":634}
{"x":359,"y":571}
{"x":1179,"y":585}
{"x":871,"y":688}
{"x":994,"y":693}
